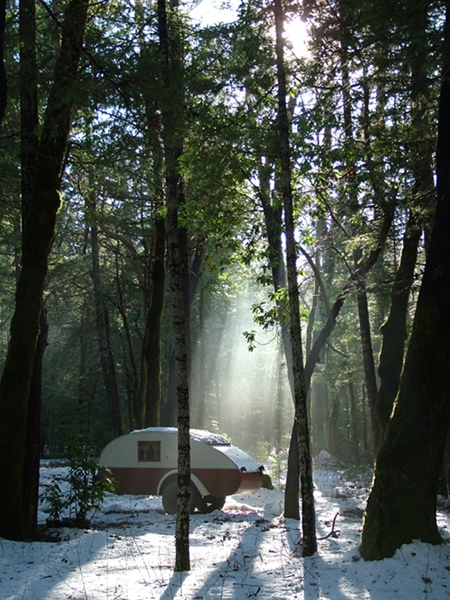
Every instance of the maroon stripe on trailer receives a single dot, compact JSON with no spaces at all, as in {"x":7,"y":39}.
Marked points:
{"x":219,"y":482}
{"x":137,"y":480}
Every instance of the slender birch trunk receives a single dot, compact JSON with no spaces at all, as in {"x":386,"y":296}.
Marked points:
{"x":172,"y":113}
{"x":309,"y":544}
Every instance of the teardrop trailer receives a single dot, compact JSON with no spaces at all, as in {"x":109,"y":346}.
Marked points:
{"x":144,"y":462}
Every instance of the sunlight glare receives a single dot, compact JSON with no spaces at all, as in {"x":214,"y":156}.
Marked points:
{"x":211,"y":12}
{"x":297,"y":36}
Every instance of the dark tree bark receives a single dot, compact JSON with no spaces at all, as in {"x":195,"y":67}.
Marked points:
{"x":172,"y":118}
{"x":421,"y":150}
{"x":393,"y":331}
{"x":29,"y":119}
{"x":150,"y":380}
{"x":33,"y":438}
{"x":85,"y":389}
{"x":152,"y":346}
{"x":309,"y":544}
{"x":354,"y":423}
{"x":200,"y":414}
{"x":318,"y":392}
{"x":368,"y":361}
{"x":39,"y":231}
{"x":3,"y":79}
{"x":170,"y":409}
{"x":402,"y":503}
{"x":29,"y":147}
{"x":292,"y":489}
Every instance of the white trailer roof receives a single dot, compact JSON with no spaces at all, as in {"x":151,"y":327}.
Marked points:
{"x":198,"y":435}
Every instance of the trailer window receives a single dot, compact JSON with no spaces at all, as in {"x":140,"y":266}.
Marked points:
{"x":149,"y":451}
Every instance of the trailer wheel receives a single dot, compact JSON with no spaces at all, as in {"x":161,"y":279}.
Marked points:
{"x":208,"y":504}
{"x":169,"y":497}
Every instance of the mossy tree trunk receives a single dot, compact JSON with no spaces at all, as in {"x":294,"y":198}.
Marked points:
{"x":37,"y":239}
{"x":402,"y":503}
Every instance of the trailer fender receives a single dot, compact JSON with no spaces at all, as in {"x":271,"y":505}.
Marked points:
{"x":202,"y":490}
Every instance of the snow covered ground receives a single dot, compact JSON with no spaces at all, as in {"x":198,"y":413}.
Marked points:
{"x":248,"y":550}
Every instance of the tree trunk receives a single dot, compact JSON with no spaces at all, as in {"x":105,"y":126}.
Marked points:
{"x":85,"y":391}
{"x":421,"y":150}
{"x":402,"y":503}
{"x":200,"y":417}
{"x":150,"y":384}
{"x":309,"y":545}
{"x":29,"y":120}
{"x":394,"y":329}
{"x":318,"y":390}
{"x":33,"y":439}
{"x":354,"y":423}
{"x":273,"y":218}
{"x":39,"y":231}
{"x":3,"y":79}
{"x":152,"y":350}
{"x":29,"y":147}
{"x":172,"y":117}
{"x":369,"y":364}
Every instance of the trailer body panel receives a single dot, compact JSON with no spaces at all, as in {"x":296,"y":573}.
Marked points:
{"x":143,"y":460}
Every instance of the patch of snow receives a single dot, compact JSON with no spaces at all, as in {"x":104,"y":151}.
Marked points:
{"x":247,"y":550}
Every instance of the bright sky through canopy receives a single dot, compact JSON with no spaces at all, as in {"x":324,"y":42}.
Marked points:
{"x":210,"y":12}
